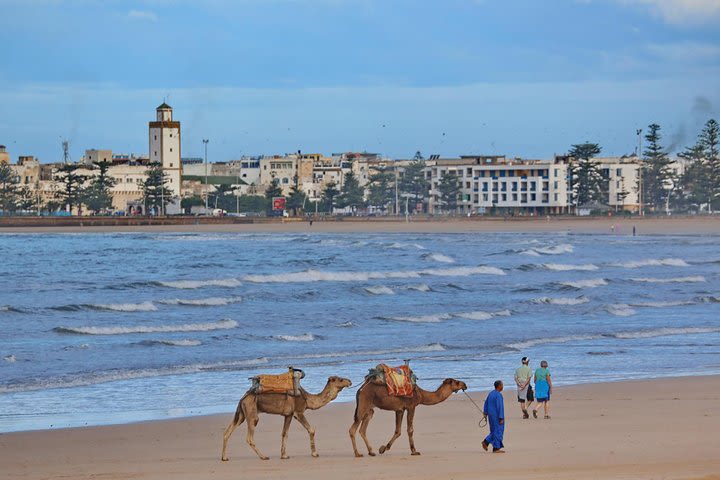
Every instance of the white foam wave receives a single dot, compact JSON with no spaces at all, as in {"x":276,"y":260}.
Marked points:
{"x":562,"y":300}
{"x":121,"y":375}
{"x":441,"y":317}
{"x":590,"y":283}
{"x":380,"y":290}
{"x":192,"y":284}
{"x":177,"y":343}
{"x":433,"y":347}
{"x":345,"y":325}
{"x":560,"y":267}
{"x":555,"y":250}
{"x":439,"y":257}
{"x":672,"y":262}
{"x":693,"y":279}
{"x":420,"y":288}
{"x":531,"y":253}
{"x":542,"y":341}
{"x":321,"y":276}
{"x":203,"y":302}
{"x":675,"y":303}
{"x":480,"y":315}
{"x":125,"y":307}
{"x":10,"y":358}
{"x":436,"y":318}
{"x":306,"y":337}
{"x":620,"y":310}
{"x":190,"y":327}
{"x":402,"y":246}
{"x":664,"y":332}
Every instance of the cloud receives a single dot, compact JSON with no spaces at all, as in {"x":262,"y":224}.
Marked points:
{"x":682,"y":12}
{"x":143,"y":15}
{"x":686,"y":52}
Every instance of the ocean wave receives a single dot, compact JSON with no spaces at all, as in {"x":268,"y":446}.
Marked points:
{"x":190,"y":327}
{"x":542,"y":341}
{"x":709,"y":299}
{"x":532,"y":253}
{"x":192,"y":284}
{"x":305,"y":337}
{"x":10,"y":358}
{"x":380,"y":290}
{"x":675,"y":303}
{"x":124,"y":307}
{"x":420,"y":287}
{"x":590,"y":283}
{"x":345,"y":325}
{"x":9,"y":309}
{"x":428,"y":348}
{"x":553,"y":250}
{"x":620,"y":310}
{"x":693,"y":279}
{"x":665,"y":332}
{"x":560,"y":267}
{"x":441,"y":317}
{"x":671,"y":262}
{"x":172,"y":343}
{"x":94,"y":378}
{"x":323,"y":276}
{"x":480,"y":315}
{"x":562,"y":300}
{"x":439,"y":257}
{"x":202,"y":302}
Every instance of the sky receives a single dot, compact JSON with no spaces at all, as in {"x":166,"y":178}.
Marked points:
{"x":523,"y":78}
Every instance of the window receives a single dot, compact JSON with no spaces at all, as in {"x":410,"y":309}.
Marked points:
{"x":285,"y":180}
{"x":155,"y":137}
{"x":556,"y":197}
{"x":617,"y":184}
{"x":618,"y":172}
{"x":532,"y":197}
{"x":171,"y":149}
{"x":555,"y":185}
{"x":556,"y":172}
{"x":504,"y":197}
{"x":171,"y":165}
{"x":171,"y":135}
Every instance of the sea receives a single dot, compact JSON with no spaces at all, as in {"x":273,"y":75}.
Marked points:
{"x":122,"y":327}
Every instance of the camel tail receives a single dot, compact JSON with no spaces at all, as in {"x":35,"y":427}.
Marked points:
{"x":239,"y":409}
{"x":357,"y":400}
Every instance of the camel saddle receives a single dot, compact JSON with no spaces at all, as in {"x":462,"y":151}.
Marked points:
{"x":287,"y":383}
{"x":400,"y":381}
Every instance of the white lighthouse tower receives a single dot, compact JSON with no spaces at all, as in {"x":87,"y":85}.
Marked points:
{"x":165,"y":150}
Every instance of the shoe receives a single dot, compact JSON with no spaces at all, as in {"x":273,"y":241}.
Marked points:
{"x":498,"y":450}
{"x":534,"y":414}
{"x":547,"y":417}
{"x":526,"y":415}
{"x":485,"y":445}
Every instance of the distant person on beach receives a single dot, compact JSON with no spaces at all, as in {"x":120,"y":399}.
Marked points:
{"x":523,"y":377}
{"x":633,"y":230}
{"x":543,"y":389}
{"x":494,"y":412}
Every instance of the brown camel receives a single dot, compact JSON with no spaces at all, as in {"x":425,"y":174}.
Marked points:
{"x":372,"y":395}
{"x":288,"y":406}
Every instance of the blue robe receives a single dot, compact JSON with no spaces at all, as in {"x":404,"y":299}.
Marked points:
{"x":495,"y":410}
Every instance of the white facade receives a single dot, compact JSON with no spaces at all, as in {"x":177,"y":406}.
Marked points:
{"x":164,"y":135}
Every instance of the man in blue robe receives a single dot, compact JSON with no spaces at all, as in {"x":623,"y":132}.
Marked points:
{"x":494,"y":412}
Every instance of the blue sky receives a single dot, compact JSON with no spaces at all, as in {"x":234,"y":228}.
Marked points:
{"x":517,"y":77}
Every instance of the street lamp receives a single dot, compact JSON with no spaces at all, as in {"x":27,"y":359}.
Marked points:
{"x":205,"y":141}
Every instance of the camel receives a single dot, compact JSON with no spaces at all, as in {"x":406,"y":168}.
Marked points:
{"x":288,"y":406}
{"x":372,"y":395}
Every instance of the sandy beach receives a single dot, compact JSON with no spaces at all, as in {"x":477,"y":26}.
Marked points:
{"x":662,"y":429}
{"x":595,"y":225}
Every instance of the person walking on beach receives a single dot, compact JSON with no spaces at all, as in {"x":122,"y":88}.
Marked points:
{"x":543,"y":389}
{"x":523,"y":377}
{"x":494,"y":413}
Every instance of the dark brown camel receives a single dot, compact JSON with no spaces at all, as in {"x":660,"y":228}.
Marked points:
{"x":252,"y":404}
{"x":372,"y":395}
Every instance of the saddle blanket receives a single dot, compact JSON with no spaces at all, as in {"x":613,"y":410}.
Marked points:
{"x":288,"y":382}
{"x":398,"y":380}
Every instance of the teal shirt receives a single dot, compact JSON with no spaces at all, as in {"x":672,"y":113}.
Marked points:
{"x":541,"y":374}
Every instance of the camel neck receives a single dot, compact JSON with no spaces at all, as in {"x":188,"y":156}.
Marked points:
{"x":433,"y":398}
{"x":319,"y":400}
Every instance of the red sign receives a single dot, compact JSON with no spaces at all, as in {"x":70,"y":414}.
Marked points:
{"x":278,"y":203}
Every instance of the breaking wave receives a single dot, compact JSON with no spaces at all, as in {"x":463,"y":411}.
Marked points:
{"x":542,"y":341}
{"x":190,"y":327}
{"x":439,"y":257}
{"x":125,"y":307}
{"x":620,"y":310}
{"x":554,"y":250}
{"x":172,"y":343}
{"x":675,"y":303}
{"x":420,"y":288}
{"x":10,"y":358}
{"x":441,"y":317}
{"x":693,"y":279}
{"x":591,"y":283}
{"x":306,"y":337}
{"x":192,"y":284}
{"x":671,"y":262}
{"x":320,"y":276}
{"x":203,"y":302}
{"x":565,"y":267}
{"x":562,"y":300}
{"x":429,"y":348}
{"x":345,"y":325}
{"x":380,"y":290}
{"x":664,"y":332}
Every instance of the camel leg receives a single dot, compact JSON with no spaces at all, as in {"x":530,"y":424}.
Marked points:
{"x":353,"y":429}
{"x":410,"y":429}
{"x":363,"y":430}
{"x":286,"y":427}
{"x":237,"y":421}
{"x":252,"y":421}
{"x":398,"y":429}
{"x":311,"y":431}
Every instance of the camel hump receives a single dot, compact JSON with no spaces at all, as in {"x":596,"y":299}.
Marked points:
{"x":400,"y":381}
{"x":288,"y":382}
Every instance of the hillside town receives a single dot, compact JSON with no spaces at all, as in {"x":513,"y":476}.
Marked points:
{"x":162,"y":182}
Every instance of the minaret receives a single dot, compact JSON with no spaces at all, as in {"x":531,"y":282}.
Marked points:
{"x":165,"y":149}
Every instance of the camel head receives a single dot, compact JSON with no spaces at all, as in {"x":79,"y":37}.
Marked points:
{"x":455,"y":385}
{"x":338,"y":382}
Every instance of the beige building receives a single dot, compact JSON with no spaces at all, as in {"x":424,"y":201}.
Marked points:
{"x":164,"y":138}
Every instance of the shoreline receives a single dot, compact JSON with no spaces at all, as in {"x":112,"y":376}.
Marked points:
{"x":628,"y":429}
{"x":596,"y":225}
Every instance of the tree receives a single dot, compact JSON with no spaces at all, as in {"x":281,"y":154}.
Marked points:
{"x":382,"y":190}
{"x":352,"y":194}
{"x":587,"y":184}
{"x":297,"y":197}
{"x":700,"y":183}
{"x":156,"y":195}
{"x":273,"y":190}
{"x":26,"y":199}
{"x":413,"y":181}
{"x":188,"y":202}
{"x":97,"y":195}
{"x":449,"y":190}
{"x":72,"y":189}
{"x":656,"y":172}
{"x":329,"y":195}
{"x":222,"y":195}
{"x":8,"y":189}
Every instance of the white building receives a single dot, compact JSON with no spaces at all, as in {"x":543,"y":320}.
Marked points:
{"x":164,"y":135}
